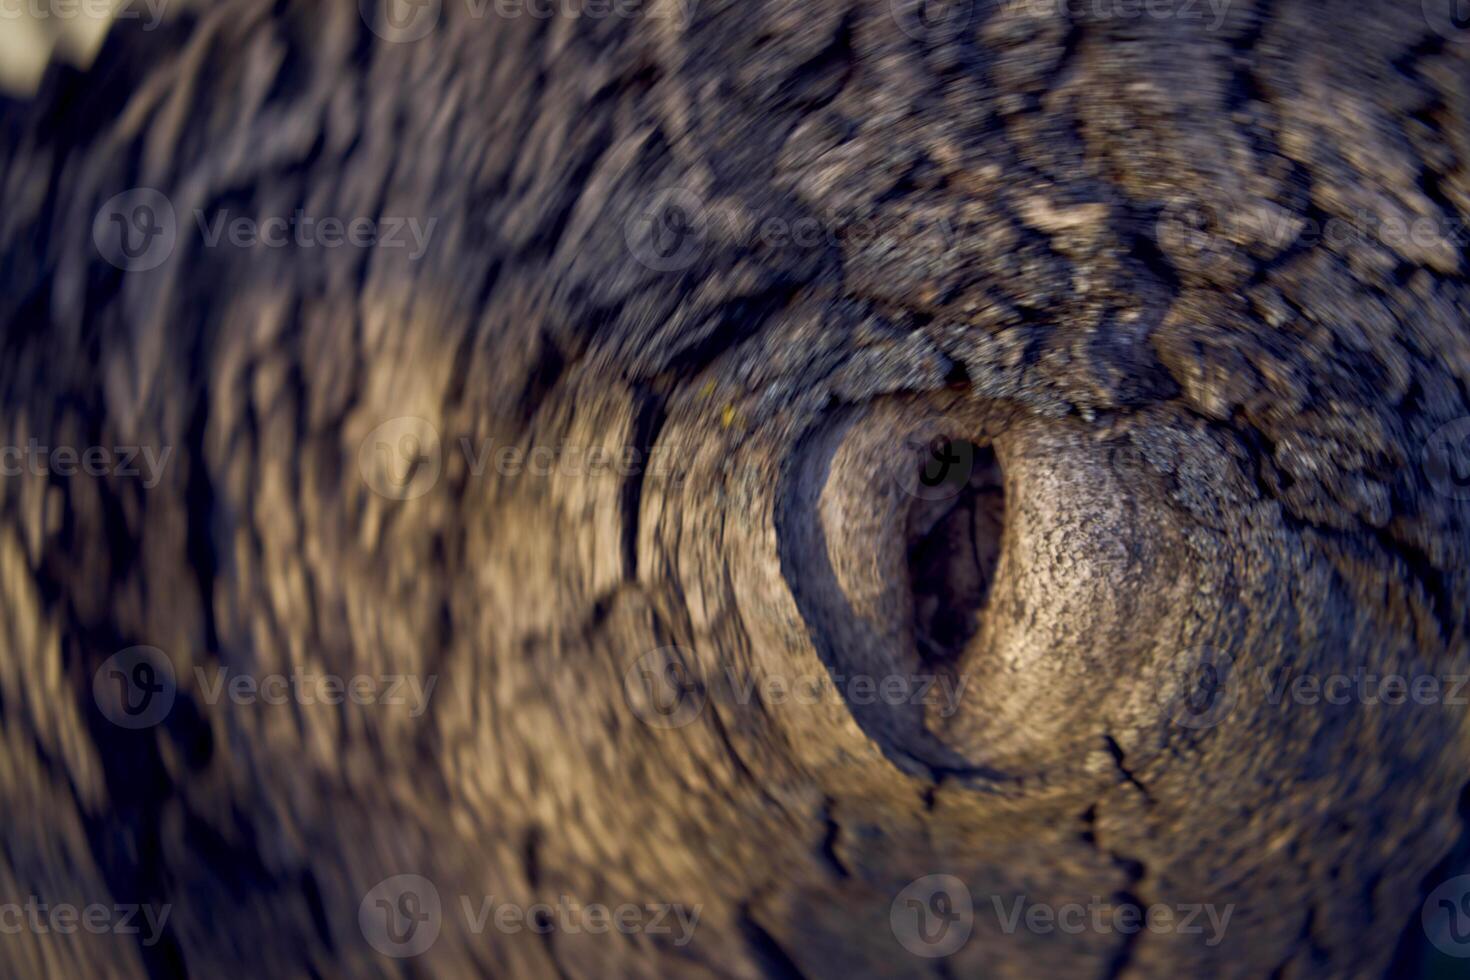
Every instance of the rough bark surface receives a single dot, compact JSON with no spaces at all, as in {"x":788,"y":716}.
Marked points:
{"x":1207,"y":437}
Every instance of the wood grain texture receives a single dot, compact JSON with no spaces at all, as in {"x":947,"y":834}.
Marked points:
{"x":1073,"y":239}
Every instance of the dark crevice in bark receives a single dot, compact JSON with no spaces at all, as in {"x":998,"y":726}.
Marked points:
{"x":1124,"y":954}
{"x":1413,"y":952}
{"x":139,"y":790}
{"x":839,"y":55}
{"x":548,"y":368}
{"x":952,"y":562}
{"x":1134,"y":872}
{"x":199,"y":530}
{"x":647,"y":424}
{"x":1430,"y":578}
{"x":541,"y":922}
{"x":531,"y":856}
{"x":772,"y":959}
{"x":1120,"y":761}
{"x":139,"y":787}
{"x":832,"y":831}
{"x":1146,"y":250}
{"x":733,"y":324}
{"x":311,"y":890}
{"x":1428,"y":47}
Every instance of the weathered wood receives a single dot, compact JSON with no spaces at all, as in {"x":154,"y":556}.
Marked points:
{"x":774,"y":249}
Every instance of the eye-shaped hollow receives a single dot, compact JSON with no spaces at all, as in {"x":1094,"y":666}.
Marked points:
{"x":1027,"y":565}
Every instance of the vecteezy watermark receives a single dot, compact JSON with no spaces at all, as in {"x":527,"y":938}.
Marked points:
{"x":1446,"y":458}
{"x":936,"y":465}
{"x":672,"y":226}
{"x":39,"y":459}
{"x":933,"y":22}
{"x":405,"y":21}
{"x":1446,"y":917}
{"x":1363,"y":686}
{"x":1211,"y":13}
{"x":1205,"y":688}
{"x":936,"y":22}
{"x":403,"y":458}
{"x":1201,"y":689}
{"x":1189,"y":225}
{"x":668,"y":232}
{"x":402,"y":917}
{"x":570,"y":917}
{"x":680,"y":10}
{"x":932,"y":916}
{"x":301,"y":230}
{"x":66,"y":919}
{"x":388,"y":690}
{"x":136,"y":230}
{"x":136,"y":688}
{"x":663,"y":688}
{"x":151,"y":12}
{"x":946,"y":469}
{"x":1106,"y":916}
{"x":565,"y":459}
{"x":1450,"y":19}
{"x":939,"y":690}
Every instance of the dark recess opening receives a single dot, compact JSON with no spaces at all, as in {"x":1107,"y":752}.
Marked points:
{"x":954,"y":546}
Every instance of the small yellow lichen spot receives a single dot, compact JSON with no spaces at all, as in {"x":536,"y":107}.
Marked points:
{"x":727,"y":417}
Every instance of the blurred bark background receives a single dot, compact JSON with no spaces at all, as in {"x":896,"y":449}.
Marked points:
{"x":1074,"y":239}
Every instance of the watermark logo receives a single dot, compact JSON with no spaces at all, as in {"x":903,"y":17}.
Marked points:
{"x":39,"y":459}
{"x":933,"y":915}
{"x":401,"y":916}
{"x":400,"y":21}
{"x":662,"y":689}
{"x":571,"y":918}
{"x":301,"y":230}
{"x":136,"y":230}
{"x":409,"y":692}
{"x":941,"y":692}
{"x":411,"y":20}
{"x":668,"y":232}
{"x":64,"y":918}
{"x":1447,"y":459}
{"x":1188,"y":226}
{"x":1362,"y":686}
{"x":151,"y":12}
{"x":1450,"y":19}
{"x":938,"y":466}
{"x":1096,"y":11}
{"x":135,"y":688}
{"x":933,"y":22}
{"x":402,"y":458}
{"x":1446,"y":917}
{"x":1099,"y":916}
{"x":1201,"y":690}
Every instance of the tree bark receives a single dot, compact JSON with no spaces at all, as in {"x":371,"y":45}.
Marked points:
{"x":780,"y":267}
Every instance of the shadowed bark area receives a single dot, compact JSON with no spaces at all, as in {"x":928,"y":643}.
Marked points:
{"x":1066,"y":254}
